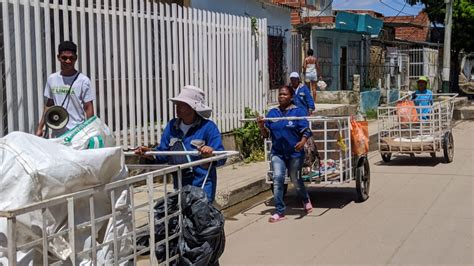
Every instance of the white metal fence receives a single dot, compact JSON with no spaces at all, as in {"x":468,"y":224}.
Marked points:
{"x":137,"y":54}
{"x":424,"y":62}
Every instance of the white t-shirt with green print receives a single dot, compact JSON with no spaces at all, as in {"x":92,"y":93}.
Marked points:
{"x":57,"y":87}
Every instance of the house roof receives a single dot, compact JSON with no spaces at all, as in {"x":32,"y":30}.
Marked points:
{"x":276,"y":4}
{"x":407,"y":42}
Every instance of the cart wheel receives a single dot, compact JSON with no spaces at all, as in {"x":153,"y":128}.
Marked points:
{"x":363,"y":179}
{"x":448,"y":147}
{"x":285,"y":189}
{"x":433,"y":155}
{"x":386,"y":157}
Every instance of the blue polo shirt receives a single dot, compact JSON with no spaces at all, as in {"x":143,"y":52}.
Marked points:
{"x":174,"y":139}
{"x":423,"y":98}
{"x":286,"y":133}
{"x":303,"y":98}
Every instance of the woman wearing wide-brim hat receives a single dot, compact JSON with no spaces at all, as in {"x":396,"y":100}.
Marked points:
{"x":191,"y":126}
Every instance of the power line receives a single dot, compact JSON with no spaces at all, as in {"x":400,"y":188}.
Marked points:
{"x":328,"y":5}
{"x":399,"y":11}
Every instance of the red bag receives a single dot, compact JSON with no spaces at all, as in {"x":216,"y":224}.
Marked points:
{"x":359,"y":137}
{"x":406,"y":111}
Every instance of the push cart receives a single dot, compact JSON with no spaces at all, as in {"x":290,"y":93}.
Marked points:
{"x":335,"y":163}
{"x":131,"y":211}
{"x":407,"y":128}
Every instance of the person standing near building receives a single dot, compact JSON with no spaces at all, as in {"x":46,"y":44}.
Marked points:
{"x":302,"y":96}
{"x":69,"y":89}
{"x":311,"y":70}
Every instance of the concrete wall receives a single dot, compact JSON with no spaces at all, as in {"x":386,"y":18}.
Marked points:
{"x":339,"y":39}
{"x":337,"y":97}
{"x":275,"y":15}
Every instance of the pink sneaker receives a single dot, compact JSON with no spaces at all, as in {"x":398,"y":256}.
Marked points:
{"x":276,"y":218}
{"x":308,"y":207}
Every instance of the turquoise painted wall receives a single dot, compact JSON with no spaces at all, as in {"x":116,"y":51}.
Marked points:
{"x":339,"y":39}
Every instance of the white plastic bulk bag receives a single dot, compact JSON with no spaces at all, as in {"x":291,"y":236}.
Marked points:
{"x":91,"y":134}
{"x":33,"y":169}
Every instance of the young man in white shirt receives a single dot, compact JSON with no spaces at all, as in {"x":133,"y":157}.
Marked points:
{"x":70,"y":89}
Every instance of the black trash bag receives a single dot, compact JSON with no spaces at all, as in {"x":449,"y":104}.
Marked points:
{"x":173,"y":227}
{"x":203,"y":240}
{"x":202,"y":223}
{"x":199,"y":256}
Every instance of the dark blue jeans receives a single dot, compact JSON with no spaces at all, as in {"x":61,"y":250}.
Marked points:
{"x":294,"y":166}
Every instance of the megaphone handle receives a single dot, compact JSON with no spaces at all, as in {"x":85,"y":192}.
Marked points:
{"x":45,"y":133}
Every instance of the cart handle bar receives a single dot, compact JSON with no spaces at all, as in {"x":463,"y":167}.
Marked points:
{"x":174,"y":153}
{"x":295,"y":118}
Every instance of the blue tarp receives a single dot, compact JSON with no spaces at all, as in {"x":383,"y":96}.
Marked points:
{"x":393,"y":95}
{"x":369,"y":100}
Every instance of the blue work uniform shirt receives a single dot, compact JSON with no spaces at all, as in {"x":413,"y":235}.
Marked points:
{"x":423,"y":98}
{"x":286,"y":133}
{"x":201,"y":129}
{"x":302,"y":98}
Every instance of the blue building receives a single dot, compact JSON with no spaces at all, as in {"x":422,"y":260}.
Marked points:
{"x":343,"y":49}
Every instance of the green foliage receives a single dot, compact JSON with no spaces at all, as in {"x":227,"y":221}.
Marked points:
{"x":254,"y":25}
{"x":371,"y":114}
{"x":463,"y":20}
{"x":249,"y":141}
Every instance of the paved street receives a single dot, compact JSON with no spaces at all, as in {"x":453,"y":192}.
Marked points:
{"x":419,"y":212}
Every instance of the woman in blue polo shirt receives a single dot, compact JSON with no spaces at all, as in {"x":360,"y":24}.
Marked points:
{"x":191,"y":126}
{"x":288,"y":140}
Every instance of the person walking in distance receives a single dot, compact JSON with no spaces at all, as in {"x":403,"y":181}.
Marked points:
{"x":311,"y":70}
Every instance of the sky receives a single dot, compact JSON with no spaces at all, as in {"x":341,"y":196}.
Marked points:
{"x":381,"y":6}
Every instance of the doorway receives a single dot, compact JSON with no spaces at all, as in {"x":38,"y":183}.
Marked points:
{"x":343,"y":68}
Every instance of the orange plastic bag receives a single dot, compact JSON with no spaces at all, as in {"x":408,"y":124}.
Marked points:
{"x":359,"y":137}
{"x":406,"y":111}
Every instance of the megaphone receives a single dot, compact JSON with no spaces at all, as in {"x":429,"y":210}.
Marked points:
{"x":56,"y":117}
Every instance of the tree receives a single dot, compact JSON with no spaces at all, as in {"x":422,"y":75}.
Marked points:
{"x":463,"y":27}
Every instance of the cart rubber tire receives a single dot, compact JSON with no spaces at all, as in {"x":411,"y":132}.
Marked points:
{"x":285,"y":189}
{"x":386,"y":157}
{"x":433,"y":155}
{"x":448,"y":147}
{"x":362,"y":179}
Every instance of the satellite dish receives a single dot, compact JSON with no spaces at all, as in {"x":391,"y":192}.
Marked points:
{"x":56,"y":117}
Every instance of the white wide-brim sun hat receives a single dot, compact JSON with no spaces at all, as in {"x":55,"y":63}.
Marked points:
{"x":194,"y":97}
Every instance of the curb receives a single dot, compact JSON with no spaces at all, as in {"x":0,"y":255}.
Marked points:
{"x":230,"y":197}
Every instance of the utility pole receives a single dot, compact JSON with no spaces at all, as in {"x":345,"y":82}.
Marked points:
{"x":448,"y":24}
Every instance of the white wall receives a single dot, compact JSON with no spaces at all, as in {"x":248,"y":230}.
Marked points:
{"x":275,"y":15}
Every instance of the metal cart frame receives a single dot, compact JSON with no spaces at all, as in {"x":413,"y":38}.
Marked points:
{"x":430,"y":133}
{"x":153,"y":185}
{"x":327,"y":133}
